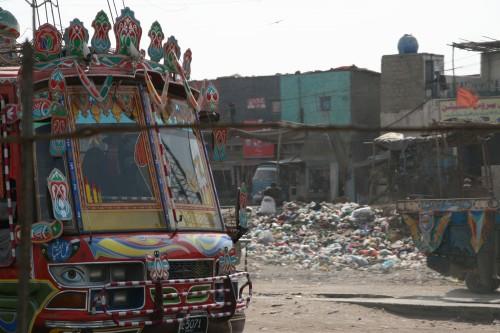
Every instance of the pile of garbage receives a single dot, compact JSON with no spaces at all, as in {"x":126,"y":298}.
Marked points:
{"x":332,"y":237}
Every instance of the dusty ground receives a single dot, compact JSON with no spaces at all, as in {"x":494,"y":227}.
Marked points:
{"x":290,"y":300}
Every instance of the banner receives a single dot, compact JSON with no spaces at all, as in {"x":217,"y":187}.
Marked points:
{"x":486,"y":111}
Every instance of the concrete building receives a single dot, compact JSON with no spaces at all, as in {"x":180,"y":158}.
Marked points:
{"x":342,"y":96}
{"x":415,"y":92}
{"x":320,"y":166}
{"x":408,"y":81}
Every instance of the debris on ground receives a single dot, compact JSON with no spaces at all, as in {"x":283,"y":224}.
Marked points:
{"x":331,"y":236}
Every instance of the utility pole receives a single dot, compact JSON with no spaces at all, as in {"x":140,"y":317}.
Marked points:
{"x":26,"y":208}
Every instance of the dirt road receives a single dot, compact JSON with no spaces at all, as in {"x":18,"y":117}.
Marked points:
{"x":290,"y":300}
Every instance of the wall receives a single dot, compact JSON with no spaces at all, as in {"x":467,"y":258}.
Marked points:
{"x":405,"y":84}
{"x":253,"y":98}
{"x":307,"y":90}
{"x":365,"y":111}
{"x":490,"y":70}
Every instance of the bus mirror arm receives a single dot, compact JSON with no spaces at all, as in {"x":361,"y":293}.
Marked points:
{"x":176,"y":222}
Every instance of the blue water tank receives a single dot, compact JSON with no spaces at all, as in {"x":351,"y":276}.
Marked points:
{"x":408,"y":44}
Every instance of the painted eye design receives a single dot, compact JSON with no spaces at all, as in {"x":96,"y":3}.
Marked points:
{"x":73,"y":275}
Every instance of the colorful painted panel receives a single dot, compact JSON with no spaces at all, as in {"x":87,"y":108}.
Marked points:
{"x":138,"y":247}
{"x":76,"y":38}
{"x":155,"y":49}
{"x":47,"y":42}
{"x":428,"y":230}
{"x":100,"y":41}
{"x":98,"y":95}
{"x":58,"y":123}
{"x":128,"y":32}
{"x":157,"y":266}
{"x":481,"y":224}
{"x":227,"y":261}
{"x":171,"y":49}
{"x":59,"y":193}
{"x":186,"y":63}
{"x":60,"y":249}
{"x":219,"y":143}
{"x":12,"y":113}
{"x":211,"y":98}
{"x":57,"y":86}
{"x":43,"y":232}
{"x":41,"y":108}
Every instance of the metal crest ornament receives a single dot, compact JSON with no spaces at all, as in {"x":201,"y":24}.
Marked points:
{"x":59,"y":193}
{"x":47,"y":42}
{"x":128,"y":32}
{"x":158,"y":266}
{"x":219,"y":143}
{"x":212,"y":97}
{"x":57,"y":86}
{"x":60,"y":250}
{"x":227,"y":261}
{"x":186,"y":63}
{"x":155,"y":49}
{"x":170,"y":49}
{"x":58,"y":125}
{"x":100,"y":40}
{"x":42,"y":232}
{"x":76,"y":38}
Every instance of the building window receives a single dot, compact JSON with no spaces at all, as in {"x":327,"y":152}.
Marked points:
{"x":325,"y":103}
{"x":256,"y":103}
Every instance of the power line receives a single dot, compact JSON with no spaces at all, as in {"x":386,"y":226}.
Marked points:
{"x":116,"y":11}
{"x":409,"y":113}
{"x":87,"y":132}
{"x":52,"y":10}
{"x":59,"y":13}
{"x":111,"y":12}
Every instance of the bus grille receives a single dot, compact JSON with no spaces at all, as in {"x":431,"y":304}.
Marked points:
{"x":191,"y":269}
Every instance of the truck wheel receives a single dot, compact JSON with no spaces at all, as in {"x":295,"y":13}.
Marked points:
{"x":474,"y":284}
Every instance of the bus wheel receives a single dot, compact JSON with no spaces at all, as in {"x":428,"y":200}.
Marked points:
{"x":474,"y":284}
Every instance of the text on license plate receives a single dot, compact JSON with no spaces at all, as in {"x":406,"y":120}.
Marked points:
{"x":194,"y":325}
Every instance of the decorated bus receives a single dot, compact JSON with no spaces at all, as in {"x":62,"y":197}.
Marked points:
{"x":128,"y":233}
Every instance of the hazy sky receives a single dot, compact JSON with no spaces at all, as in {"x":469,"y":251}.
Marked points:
{"x":264,"y":37}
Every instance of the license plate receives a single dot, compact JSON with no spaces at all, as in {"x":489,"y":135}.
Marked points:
{"x":194,"y":325}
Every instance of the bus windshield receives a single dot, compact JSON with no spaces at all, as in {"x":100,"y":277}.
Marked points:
{"x":189,"y":177}
{"x":117,"y":180}
{"x":114,"y":169}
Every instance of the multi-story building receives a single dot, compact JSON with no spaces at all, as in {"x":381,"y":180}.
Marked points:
{"x":319,"y":165}
{"x":416,"y":92}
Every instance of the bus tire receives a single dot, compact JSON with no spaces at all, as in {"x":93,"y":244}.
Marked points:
{"x":476,"y":285}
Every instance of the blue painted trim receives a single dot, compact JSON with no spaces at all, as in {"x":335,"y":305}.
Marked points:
{"x":74,"y":184}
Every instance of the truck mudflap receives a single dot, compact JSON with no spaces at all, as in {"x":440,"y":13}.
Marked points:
{"x":233,"y":301}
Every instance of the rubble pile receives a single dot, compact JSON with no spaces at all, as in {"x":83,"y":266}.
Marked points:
{"x":332,"y":237}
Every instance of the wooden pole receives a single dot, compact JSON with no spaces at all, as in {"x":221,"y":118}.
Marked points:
{"x":26,"y":211}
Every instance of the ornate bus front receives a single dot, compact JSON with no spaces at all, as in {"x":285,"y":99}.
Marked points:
{"x":129,"y":236}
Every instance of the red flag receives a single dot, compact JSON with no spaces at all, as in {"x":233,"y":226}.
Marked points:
{"x":466,"y":98}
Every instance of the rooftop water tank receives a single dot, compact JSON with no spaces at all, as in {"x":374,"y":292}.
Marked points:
{"x":407,"y":44}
